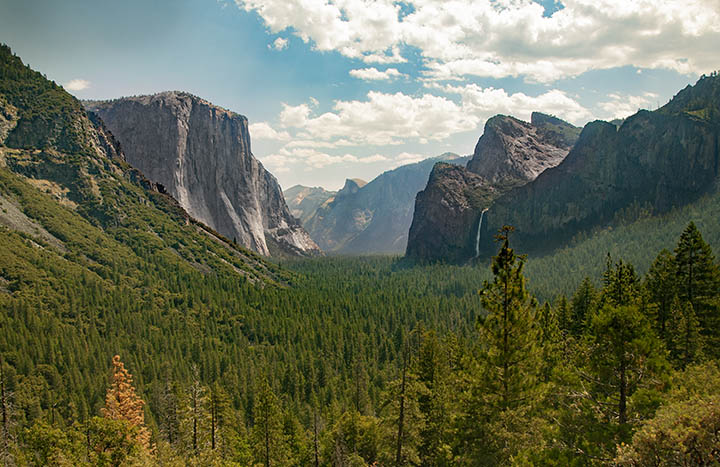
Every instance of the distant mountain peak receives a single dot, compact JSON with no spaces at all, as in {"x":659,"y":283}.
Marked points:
{"x":352,"y":185}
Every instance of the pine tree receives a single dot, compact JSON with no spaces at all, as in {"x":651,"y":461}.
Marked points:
{"x":698,"y":279}
{"x":509,"y":331}
{"x":582,"y":306}
{"x":621,"y":285}
{"x":550,"y":340}
{"x":624,"y":355}
{"x":122,"y":403}
{"x":564,"y":314}
{"x":505,"y":388}
{"x":660,"y":282}
{"x":434,"y":373}
{"x":685,"y":344}
{"x":268,"y":433}
{"x":196,"y":411}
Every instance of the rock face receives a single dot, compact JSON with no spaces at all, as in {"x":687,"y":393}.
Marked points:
{"x":655,"y":160}
{"x":373,"y":217}
{"x":447,"y":213}
{"x":303,"y":201}
{"x":510,"y":153}
{"x":652,"y":161}
{"x":201,"y":154}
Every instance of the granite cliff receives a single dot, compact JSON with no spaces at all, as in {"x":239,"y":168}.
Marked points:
{"x":374,"y":217}
{"x":649,"y":162}
{"x":510,"y":153}
{"x":654,"y":161}
{"x":200,"y":154}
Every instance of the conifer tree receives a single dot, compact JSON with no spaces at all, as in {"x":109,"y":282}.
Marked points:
{"x":505,"y":388}
{"x":123,"y":403}
{"x":582,"y":306}
{"x":550,"y":340}
{"x":660,"y":282}
{"x":685,"y":345}
{"x":620,"y":284}
{"x":268,"y":433}
{"x":434,"y":373}
{"x":624,"y":355}
{"x":564,"y":314}
{"x":509,"y":331}
{"x":698,"y":279}
{"x":196,"y":411}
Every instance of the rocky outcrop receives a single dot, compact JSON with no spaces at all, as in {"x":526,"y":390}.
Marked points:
{"x":201,"y":154}
{"x":373,"y":217}
{"x":447,"y":212}
{"x":510,"y":153}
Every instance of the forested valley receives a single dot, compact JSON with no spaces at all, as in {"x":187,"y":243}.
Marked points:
{"x":132,"y":334}
{"x":368,"y":361}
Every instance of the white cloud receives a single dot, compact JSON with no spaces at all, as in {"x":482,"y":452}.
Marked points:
{"x":279,"y":44}
{"x":486,"y":102}
{"x":382,"y":119}
{"x":405,"y":158}
{"x":383,"y":58}
{"x":263,"y":130}
{"x":294,"y":116}
{"x":622,"y":106}
{"x":77,"y":84}
{"x":385,"y":119}
{"x":497,"y":38}
{"x":315,"y":159}
{"x":373,"y":74}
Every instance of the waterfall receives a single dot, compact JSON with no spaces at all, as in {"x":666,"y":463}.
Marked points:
{"x":477,"y":237}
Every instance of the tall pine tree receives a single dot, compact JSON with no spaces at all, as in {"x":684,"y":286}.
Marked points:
{"x":698,"y":280}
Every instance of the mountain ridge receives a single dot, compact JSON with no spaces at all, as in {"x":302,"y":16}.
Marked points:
{"x":655,"y":160}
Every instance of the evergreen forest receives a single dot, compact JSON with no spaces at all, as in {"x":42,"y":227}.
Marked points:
{"x":131,"y":334}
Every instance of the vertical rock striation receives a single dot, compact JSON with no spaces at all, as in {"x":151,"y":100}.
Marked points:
{"x":201,"y":154}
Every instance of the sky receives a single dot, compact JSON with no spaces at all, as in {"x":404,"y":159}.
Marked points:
{"x":337,"y":89}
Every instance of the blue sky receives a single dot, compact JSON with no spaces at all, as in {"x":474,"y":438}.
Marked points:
{"x":351,"y":88}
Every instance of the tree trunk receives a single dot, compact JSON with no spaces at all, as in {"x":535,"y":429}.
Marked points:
{"x":401,"y":416}
{"x":315,"y":439}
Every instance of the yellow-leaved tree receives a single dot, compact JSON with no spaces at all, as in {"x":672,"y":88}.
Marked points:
{"x":123,"y":403}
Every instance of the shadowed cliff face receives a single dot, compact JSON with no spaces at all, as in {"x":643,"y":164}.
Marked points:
{"x":446,"y":213}
{"x":510,"y":153}
{"x":201,"y":154}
